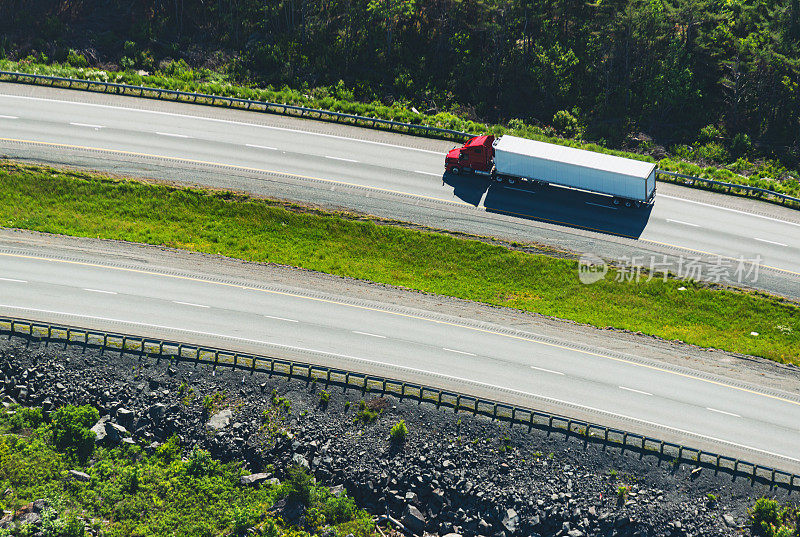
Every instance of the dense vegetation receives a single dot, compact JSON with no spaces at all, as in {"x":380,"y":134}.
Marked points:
{"x":168,"y":492}
{"x":713,"y":81}
{"x":93,"y":205}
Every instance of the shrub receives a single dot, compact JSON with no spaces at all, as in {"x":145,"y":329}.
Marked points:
{"x":298,"y":487}
{"x":399,"y":432}
{"x":365,"y":414}
{"x":566,"y":124}
{"x":769,"y":519}
{"x":622,"y":494}
{"x":76,"y":59}
{"x":200,"y":464}
{"x":708,"y":134}
{"x":169,"y":451}
{"x":25,"y":418}
{"x":71,"y":434}
{"x":741,"y":145}
{"x":324,"y":397}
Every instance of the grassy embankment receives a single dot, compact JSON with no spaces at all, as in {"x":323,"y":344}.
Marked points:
{"x":170,"y":492}
{"x":93,"y":205}
{"x":179,"y":76}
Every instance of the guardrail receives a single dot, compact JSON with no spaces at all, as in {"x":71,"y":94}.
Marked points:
{"x":232,"y":102}
{"x":732,"y":188}
{"x":338,"y":117}
{"x":459,"y":402}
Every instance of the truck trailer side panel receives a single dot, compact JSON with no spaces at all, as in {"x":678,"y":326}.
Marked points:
{"x":576,"y":168}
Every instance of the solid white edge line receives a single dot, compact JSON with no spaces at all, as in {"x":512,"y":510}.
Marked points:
{"x":723,"y":412}
{"x":99,"y":291}
{"x":191,"y":304}
{"x":9,"y":117}
{"x":226,"y":121}
{"x":770,"y":242}
{"x":340,"y":158}
{"x":634,"y":390}
{"x":520,"y":189}
{"x":12,"y":280}
{"x":261,"y":147}
{"x":419,"y":371}
{"x":282,"y":319}
{"x":547,"y":370}
{"x":728,"y":209}
{"x":428,"y":173}
{"x":368,"y":334}
{"x":682,"y":222}
{"x":173,"y":135}
{"x":457,"y":351}
{"x":86,"y":125}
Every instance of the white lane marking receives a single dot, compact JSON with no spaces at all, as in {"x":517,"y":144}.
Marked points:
{"x":262,"y":147}
{"x":600,"y":205}
{"x":771,"y":242}
{"x":99,"y":291}
{"x":13,"y":280}
{"x":723,"y":412}
{"x":86,"y":125}
{"x":520,"y":190}
{"x":547,"y":370}
{"x":418,"y":371}
{"x":729,"y":209}
{"x":635,"y":391}
{"x":428,"y":173}
{"x":340,"y":158}
{"x":368,"y":334}
{"x":191,"y":304}
{"x":457,"y":351}
{"x":9,"y":117}
{"x":281,"y":319}
{"x":226,"y":121}
{"x":682,"y":222}
{"x":172,"y":134}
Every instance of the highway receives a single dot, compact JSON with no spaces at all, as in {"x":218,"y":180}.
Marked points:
{"x":397,"y":177}
{"x":250,"y":315}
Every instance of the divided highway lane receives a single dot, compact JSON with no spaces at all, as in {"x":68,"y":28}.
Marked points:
{"x":316,"y":160}
{"x":479,"y":358}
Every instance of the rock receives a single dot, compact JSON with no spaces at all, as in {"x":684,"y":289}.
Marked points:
{"x":729,"y":521}
{"x":300,"y":461}
{"x":254,"y":479}
{"x":99,"y":429}
{"x":575,"y":533}
{"x":156,"y":412}
{"x":31,"y":517}
{"x":510,"y":520}
{"x":80,"y":476}
{"x":222,"y":419}
{"x":40,"y":505}
{"x":125,"y":416}
{"x":413,"y":519}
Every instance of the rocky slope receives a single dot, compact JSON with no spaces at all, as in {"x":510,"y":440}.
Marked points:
{"x":453,"y":473}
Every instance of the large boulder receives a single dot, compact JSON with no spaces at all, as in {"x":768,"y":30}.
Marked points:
{"x":221,"y":419}
{"x":254,"y":479}
{"x":414,"y":520}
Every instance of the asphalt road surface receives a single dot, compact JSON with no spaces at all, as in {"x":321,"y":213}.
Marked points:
{"x":480,"y":358}
{"x":703,"y":235}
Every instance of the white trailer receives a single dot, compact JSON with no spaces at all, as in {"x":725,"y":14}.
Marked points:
{"x":629,"y":182}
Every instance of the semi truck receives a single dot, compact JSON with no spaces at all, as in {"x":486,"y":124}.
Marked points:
{"x":512,"y":160}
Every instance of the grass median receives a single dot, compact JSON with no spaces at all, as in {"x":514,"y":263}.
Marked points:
{"x":94,"y":205}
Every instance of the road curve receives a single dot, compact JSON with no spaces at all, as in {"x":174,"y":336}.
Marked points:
{"x":386,"y":176}
{"x":485,"y":359}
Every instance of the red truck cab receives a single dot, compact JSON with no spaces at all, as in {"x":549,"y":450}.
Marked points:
{"x":474,"y":156}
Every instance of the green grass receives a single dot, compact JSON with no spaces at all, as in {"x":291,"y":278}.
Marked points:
{"x":179,"y":76}
{"x":159,"y":494}
{"x":93,"y":205}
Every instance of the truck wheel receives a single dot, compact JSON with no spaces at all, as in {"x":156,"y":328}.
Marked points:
{"x":616,"y":201}
{"x":499,"y":179}
{"x":628,"y":203}
{"x":511,"y":180}
{"x":454,"y":170}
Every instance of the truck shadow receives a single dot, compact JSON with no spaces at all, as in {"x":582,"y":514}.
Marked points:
{"x":556,"y":205}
